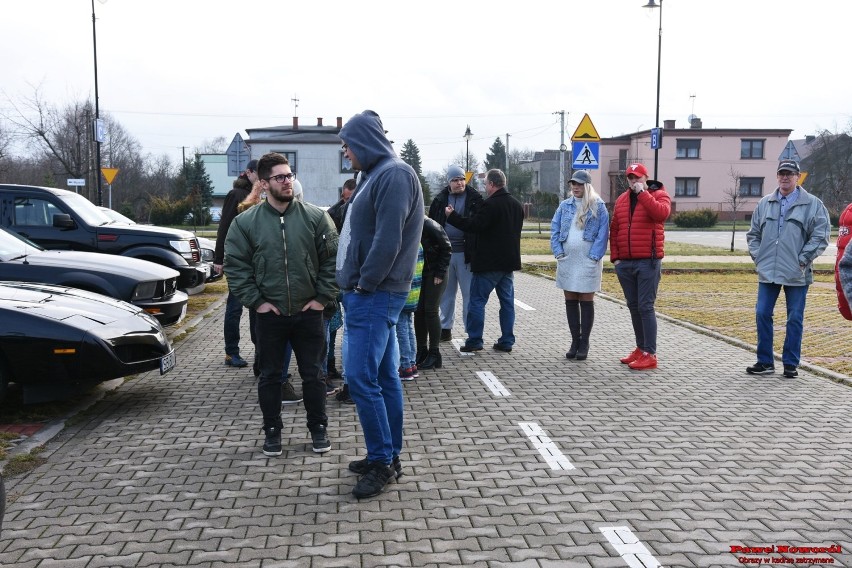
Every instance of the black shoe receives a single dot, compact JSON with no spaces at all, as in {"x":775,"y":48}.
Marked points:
{"x":503,"y":348}
{"x":235,"y":361}
{"x":360,"y":467}
{"x":582,"y":350}
{"x":288,"y":394}
{"x":572,"y":351}
{"x":373,"y":481}
{"x":469,"y":348}
{"x":272,"y":444}
{"x":422,"y":352}
{"x":761,"y":369}
{"x":446,"y":335}
{"x":790,"y":372}
{"x":432,"y":361}
{"x":319,"y":436}
{"x":343,"y":396}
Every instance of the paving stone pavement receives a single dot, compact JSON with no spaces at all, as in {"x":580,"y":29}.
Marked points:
{"x":686,"y":461}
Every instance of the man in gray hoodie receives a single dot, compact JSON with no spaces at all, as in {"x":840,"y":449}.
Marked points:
{"x":375,"y":266}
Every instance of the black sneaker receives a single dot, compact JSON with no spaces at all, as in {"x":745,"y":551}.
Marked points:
{"x":343,"y":396}
{"x":288,"y":394}
{"x":373,"y":482}
{"x":503,"y":348}
{"x":362,"y":466}
{"x":469,"y":348}
{"x":272,"y":444}
{"x":790,"y":372}
{"x":761,"y":369}
{"x":446,"y":335}
{"x":320,"y":440}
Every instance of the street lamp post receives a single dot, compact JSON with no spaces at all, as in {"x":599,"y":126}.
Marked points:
{"x":467,"y":136}
{"x":651,"y":5}
{"x":98,"y":129}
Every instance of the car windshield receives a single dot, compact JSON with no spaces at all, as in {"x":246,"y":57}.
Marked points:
{"x":116,"y":216}
{"x":86,"y":209}
{"x":13,"y":246}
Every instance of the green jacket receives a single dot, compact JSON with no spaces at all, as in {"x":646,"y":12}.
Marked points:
{"x":287,"y":260}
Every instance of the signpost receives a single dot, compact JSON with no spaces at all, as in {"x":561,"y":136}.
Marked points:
{"x":109,"y":175}
{"x":238,"y":156}
{"x":586,"y":155}
{"x":75,"y":183}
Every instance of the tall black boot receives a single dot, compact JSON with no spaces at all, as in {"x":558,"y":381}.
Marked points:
{"x":422,"y":352}
{"x":572,"y":310}
{"x":432,"y":360}
{"x":587,"y":320}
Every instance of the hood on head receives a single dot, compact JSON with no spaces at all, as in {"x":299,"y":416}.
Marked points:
{"x":365,"y":136}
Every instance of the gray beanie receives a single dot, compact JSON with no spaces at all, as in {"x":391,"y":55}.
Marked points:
{"x":455,"y":172}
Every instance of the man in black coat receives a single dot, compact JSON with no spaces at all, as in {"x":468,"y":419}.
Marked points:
{"x":233,"y":308}
{"x":466,"y":201}
{"x":495,"y":256}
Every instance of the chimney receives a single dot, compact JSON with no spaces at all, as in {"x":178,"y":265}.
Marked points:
{"x":295,"y":123}
{"x":669,"y":124}
{"x":340,"y":122}
{"x":319,"y":121}
{"x":809,"y":138}
{"x":695,"y":123}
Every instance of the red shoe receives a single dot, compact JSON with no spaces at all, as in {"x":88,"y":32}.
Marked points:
{"x":635,"y":354}
{"x":644,"y":362}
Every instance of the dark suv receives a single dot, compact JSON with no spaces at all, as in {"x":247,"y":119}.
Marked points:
{"x":63,"y":220}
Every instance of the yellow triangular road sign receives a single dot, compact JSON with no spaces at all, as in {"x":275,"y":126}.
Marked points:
{"x":109,"y":174}
{"x":586,"y":131}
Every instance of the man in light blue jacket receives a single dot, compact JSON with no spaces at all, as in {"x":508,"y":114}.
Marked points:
{"x":789,"y":229}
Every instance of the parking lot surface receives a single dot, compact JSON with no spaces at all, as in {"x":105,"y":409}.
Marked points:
{"x":511,"y":459}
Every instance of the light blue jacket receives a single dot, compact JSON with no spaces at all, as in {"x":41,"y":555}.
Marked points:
{"x":596,"y":230}
{"x":786,"y":258}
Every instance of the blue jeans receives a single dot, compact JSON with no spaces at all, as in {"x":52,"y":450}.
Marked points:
{"x":372,"y":369}
{"x":480,"y":289}
{"x":458,"y":277}
{"x":305,"y":333}
{"x":233,"y":314}
{"x":406,"y":341}
{"x":640,"y":280}
{"x":767,"y":295}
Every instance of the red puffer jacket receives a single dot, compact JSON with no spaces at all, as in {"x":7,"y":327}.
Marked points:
{"x":844,"y":235}
{"x":639,"y":234}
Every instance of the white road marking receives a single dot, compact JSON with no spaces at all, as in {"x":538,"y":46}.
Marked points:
{"x":629,"y":548}
{"x":548,"y":450}
{"x":524,"y":306}
{"x":493,"y":383}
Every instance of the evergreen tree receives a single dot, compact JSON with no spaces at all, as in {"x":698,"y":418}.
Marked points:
{"x":411,"y":156}
{"x":193,"y":181}
{"x":496,"y":156}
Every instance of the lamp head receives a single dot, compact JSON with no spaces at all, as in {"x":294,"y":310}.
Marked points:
{"x":468,"y":134}
{"x":653,"y":4}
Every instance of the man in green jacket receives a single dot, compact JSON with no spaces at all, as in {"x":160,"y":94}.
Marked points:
{"x":280,"y":261}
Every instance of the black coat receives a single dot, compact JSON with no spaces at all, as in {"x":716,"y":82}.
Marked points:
{"x":241,"y":190}
{"x":497,"y":226}
{"x":473,"y":201}
{"x":437,"y":249}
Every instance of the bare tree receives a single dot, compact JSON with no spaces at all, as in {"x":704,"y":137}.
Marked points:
{"x":216,"y":146}
{"x":735,"y":200}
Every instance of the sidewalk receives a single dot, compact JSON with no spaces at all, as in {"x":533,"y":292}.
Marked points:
{"x":522,"y":459}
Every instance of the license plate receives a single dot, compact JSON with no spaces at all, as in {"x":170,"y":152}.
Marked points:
{"x":168,"y":362}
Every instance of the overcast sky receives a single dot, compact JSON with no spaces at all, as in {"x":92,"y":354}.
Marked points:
{"x":178,"y":72}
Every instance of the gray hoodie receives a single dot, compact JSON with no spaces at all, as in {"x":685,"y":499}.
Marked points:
{"x":384,"y":221}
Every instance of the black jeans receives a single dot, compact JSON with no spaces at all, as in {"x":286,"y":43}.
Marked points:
{"x":427,"y":319}
{"x":306,"y":334}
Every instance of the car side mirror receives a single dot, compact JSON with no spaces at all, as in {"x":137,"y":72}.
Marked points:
{"x":64,"y":221}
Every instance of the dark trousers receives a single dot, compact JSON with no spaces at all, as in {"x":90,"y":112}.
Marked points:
{"x":306,"y":333}
{"x":640,"y":280}
{"x":427,"y":317}
{"x":233,"y":313}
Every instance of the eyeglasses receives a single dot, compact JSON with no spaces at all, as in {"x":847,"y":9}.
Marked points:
{"x":787,"y":174}
{"x":345,"y":146}
{"x":457,"y":179}
{"x":280,"y":178}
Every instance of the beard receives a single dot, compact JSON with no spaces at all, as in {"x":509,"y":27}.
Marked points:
{"x":278,"y":195}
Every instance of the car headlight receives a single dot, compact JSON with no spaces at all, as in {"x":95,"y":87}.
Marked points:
{"x":183,"y":247}
{"x":145,"y":291}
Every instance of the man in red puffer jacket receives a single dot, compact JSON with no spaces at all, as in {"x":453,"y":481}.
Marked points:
{"x":636,"y":238}
{"x":844,"y":235}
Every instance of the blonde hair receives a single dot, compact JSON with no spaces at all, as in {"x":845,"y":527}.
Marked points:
{"x":253,"y":198}
{"x":589,"y":202}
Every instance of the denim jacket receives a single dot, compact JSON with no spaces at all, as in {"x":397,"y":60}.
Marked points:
{"x":596,"y":230}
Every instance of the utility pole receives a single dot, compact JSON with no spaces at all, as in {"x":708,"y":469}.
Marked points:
{"x":97,"y":128}
{"x":562,"y":149}
{"x":507,"y":159}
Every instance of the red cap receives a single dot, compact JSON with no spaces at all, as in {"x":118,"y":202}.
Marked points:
{"x":638,"y":170}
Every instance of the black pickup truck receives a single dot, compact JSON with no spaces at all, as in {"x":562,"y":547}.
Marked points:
{"x":58,"y":219}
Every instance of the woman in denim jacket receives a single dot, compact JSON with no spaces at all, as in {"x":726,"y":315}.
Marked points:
{"x":578,"y":237}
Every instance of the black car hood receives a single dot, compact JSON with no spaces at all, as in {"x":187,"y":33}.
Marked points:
{"x":152,"y":230}
{"x":60,"y":303}
{"x":98,"y":262}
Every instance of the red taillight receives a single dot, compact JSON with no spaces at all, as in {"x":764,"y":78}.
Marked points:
{"x":107,"y":237}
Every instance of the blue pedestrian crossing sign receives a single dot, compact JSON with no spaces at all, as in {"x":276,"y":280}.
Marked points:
{"x":586,"y":155}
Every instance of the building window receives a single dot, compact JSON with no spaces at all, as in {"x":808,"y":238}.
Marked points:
{"x":688,"y":149}
{"x":345,"y":165}
{"x":751,"y":187}
{"x":291,"y":157}
{"x":751,"y":149}
{"x":686,"y":187}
